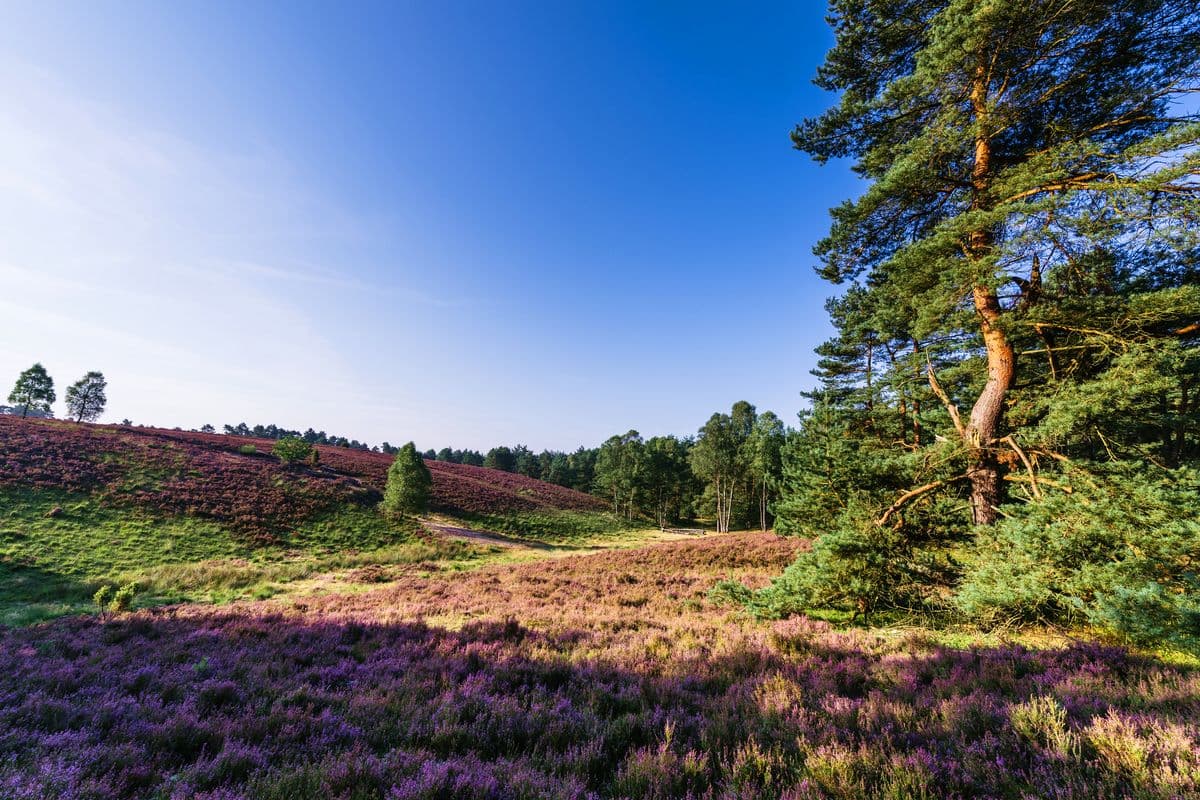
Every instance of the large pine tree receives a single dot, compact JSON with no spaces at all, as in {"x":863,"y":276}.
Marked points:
{"x":1029,"y":235}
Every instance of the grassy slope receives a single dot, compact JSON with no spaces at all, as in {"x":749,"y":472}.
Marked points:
{"x":106,"y":533}
{"x":51,"y":565}
{"x":555,"y":527}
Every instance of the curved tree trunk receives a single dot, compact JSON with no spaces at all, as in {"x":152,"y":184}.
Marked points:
{"x":983,"y":426}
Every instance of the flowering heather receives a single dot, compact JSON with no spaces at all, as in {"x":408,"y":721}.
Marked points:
{"x":206,"y":475}
{"x":585,"y":677}
{"x":456,"y":487}
{"x":252,"y":493}
{"x":462,"y":487}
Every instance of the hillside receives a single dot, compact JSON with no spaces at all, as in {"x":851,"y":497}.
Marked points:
{"x":214,"y":476}
{"x":201,"y":516}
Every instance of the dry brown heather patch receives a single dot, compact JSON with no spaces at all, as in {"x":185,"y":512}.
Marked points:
{"x":658,"y":588}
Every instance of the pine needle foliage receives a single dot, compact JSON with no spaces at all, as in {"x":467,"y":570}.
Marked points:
{"x":1018,"y":334}
{"x":409,"y":483}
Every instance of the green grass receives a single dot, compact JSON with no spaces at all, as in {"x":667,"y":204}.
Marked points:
{"x":52,"y":565}
{"x":556,"y":527}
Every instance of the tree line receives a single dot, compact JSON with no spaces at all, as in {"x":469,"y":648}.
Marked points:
{"x":311,"y":436}
{"x":728,"y":472}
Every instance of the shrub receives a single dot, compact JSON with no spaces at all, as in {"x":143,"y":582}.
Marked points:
{"x":114,"y":601}
{"x":291,"y":450}
{"x":1119,"y":552}
{"x":248,"y":450}
{"x":102,"y":597}
{"x":123,"y":599}
{"x":408,"y":483}
{"x":1043,"y":722}
{"x":862,"y":567}
{"x":730,"y":593}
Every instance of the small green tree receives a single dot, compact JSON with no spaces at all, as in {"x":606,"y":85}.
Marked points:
{"x":501,"y":458}
{"x":34,"y":390}
{"x":291,"y":450}
{"x":408,"y":483}
{"x":85,"y":397}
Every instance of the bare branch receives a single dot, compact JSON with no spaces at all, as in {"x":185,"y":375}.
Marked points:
{"x":1033,"y":481}
{"x":941,"y":395}
{"x":913,"y":494}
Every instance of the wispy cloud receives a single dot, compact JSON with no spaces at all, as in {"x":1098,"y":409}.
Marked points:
{"x":137,"y":251}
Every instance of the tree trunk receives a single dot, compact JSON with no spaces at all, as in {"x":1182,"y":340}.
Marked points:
{"x":762,"y":505}
{"x":728,"y":504}
{"x":984,"y":424}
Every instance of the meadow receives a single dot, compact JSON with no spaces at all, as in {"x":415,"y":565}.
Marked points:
{"x":607,"y":675}
{"x":319,"y":650}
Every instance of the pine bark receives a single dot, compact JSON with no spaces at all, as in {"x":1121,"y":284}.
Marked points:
{"x":982,"y":428}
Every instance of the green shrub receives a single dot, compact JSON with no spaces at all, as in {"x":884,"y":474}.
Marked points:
{"x":248,"y":450}
{"x":858,"y":566}
{"x":408,"y":483}
{"x":123,"y":599}
{"x":102,"y":597}
{"x":291,"y":450}
{"x":1122,"y":551}
{"x":725,"y":593}
{"x":114,"y":601}
{"x":862,"y":567}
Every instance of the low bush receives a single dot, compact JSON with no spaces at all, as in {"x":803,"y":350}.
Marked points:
{"x":1121,"y":552}
{"x":115,"y":601}
{"x":291,"y":450}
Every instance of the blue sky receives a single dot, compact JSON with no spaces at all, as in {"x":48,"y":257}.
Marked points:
{"x":458,"y":223}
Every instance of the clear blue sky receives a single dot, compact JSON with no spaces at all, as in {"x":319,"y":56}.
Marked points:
{"x":459,"y":223}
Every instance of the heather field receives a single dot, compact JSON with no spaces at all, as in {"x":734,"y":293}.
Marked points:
{"x":203,"y":517}
{"x":928,"y":528}
{"x":607,"y":675}
{"x":289,"y":641}
{"x":236,"y":480}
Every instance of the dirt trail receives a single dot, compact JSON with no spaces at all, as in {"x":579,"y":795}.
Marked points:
{"x":485,"y":537}
{"x":537,"y":549}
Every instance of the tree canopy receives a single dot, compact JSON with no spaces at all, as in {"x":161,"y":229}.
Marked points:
{"x":409,"y":483}
{"x":1018,"y":333}
{"x":34,"y":391}
{"x":86,"y":398}
{"x":1033,"y":201}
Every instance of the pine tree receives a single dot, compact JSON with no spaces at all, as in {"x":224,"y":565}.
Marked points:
{"x":409,"y":483}
{"x":1032,"y":210}
{"x":34,"y":391}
